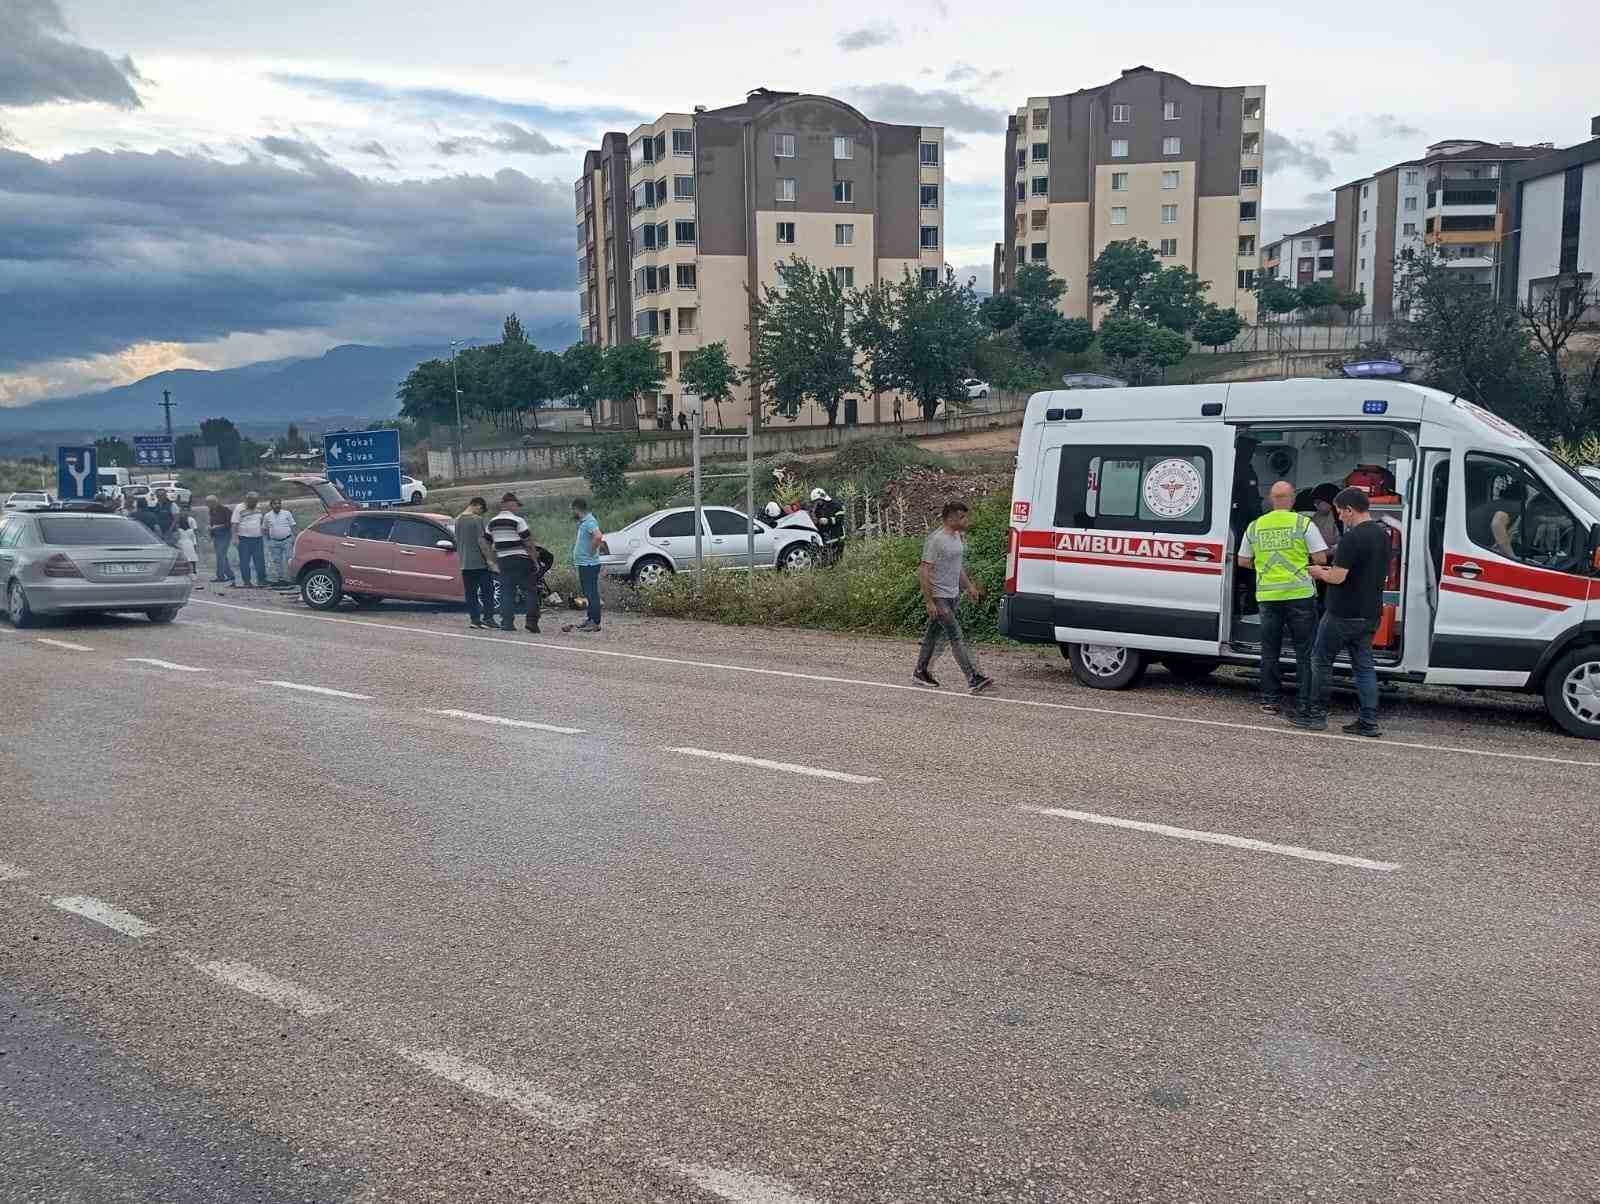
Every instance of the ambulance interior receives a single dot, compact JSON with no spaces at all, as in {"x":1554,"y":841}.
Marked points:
{"x":1323,"y":460}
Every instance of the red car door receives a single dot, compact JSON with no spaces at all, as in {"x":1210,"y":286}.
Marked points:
{"x":364,"y":555}
{"x":421,"y":568}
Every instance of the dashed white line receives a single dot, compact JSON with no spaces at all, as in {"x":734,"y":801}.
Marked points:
{"x":13,"y":873}
{"x":784,"y":766}
{"x":294,"y":685}
{"x":515,"y":1092}
{"x":242,"y":976}
{"x":67,"y":644}
{"x":739,"y":1187}
{"x":1237,"y":842}
{"x":102,"y":912}
{"x":159,"y":664}
{"x":501,"y":721}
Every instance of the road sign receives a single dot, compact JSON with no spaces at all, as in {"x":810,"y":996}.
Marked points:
{"x":368,"y":484}
{"x":76,"y":475}
{"x":362,"y":449}
{"x":153,"y":450}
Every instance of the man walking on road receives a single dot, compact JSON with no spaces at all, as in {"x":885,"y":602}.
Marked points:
{"x":221,"y":524}
{"x":473,"y":552}
{"x":1281,"y":546}
{"x":277,"y":525}
{"x":943,"y":580}
{"x":514,"y":552}
{"x":247,"y":534}
{"x":586,"y":555}
{"x":1355,"y":604}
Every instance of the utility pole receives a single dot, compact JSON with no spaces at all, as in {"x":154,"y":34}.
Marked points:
{"x":455,"y":387}
{"x":166,"y":403}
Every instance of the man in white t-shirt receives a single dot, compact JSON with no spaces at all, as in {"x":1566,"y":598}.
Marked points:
{"x":1280,"y":546}
{"x":277,"y":525}
{"x":247,"y":534}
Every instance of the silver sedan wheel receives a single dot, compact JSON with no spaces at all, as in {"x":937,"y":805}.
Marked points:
{"x":1104,"y":660}
{"x":651,"y":572}
{"x":16,"y":605}
{"x":1581,"y":692}
{"x":798,"y":558}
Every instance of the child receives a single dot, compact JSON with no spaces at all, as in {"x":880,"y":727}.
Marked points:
{"x":186,"y":529}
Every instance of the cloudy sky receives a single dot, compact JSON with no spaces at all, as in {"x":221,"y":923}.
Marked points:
{"x":203,"y":183}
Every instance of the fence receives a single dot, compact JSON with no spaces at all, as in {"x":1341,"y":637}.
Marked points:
{"x":1306,"y":336}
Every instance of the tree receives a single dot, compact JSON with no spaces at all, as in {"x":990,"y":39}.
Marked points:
{"x":1043,"y":331}
{"x":293,"y":443}
{"x":523,"y":380}
{"x":630,"y":370}
{"x":1140,"y":351}
{"x":183,"y":450}
{"x":583,"y":376}
{"x":224,"y":436}
{"x":1124,"y":338}
{"x":936,"y":340}
{"x":1574,"y":387}
{"x":1319,"y":294}
{"x":1119,"y":272}
{"x":511,"y":332}
{"x":1037,"y":287}
{"x":1165,"y":347}
{"x":801,"y":347}
{"x":1275,"y":295}
{"x":112,"y":450}
{"x":427,"y":395}
{"x":874,"y":325}
{"x":710,"y":375}
{"x":1001,"y":311}
{"x":1352,"y":303}
{"x":604,"y":464}
{"x":1173,"y":297}
{"x":1217,"y":327}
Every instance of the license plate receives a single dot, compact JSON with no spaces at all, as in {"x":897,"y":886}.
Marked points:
{"x":129,"y":568}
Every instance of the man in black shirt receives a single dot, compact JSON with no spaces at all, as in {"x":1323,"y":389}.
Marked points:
{"x":1355,"y":604}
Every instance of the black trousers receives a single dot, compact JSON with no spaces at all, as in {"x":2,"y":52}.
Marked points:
{"x":516,"y":573}
{"x":479,"y":587}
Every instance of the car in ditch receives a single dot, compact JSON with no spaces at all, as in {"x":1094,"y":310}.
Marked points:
{"x":653,"y":548}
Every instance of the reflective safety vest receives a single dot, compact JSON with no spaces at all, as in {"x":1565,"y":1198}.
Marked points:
{"x":1278,"y":546}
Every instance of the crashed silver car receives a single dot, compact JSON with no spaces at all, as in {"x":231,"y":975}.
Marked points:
{"x":62,"y":561}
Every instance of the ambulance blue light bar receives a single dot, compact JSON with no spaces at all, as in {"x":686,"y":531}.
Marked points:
{"x":1374,"y":407}
{"x":1360,"y":369}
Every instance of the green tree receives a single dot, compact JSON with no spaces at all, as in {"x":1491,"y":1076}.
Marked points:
{"x":523,"y":380}
{"x":183,"y":450}
{"x":1174,"y":298}
{"x":1217,"y":327}
{"x":224,"y":436}
{"x":1120,"y":271}
{"x":583,"y":375}
{"x":1001,"y":311}
{"x":511,"y":332}
{"x":1040,"y":332}
{"x":936,"y":339}
{"x":1140,"y":351}
{"x":113,"y":451}
{"x":1352,"y":303}
{"x":1037,"y":287}
{"x":427,"y":395}
{"x":802,"y":347}
{"x":1124,"y":338}
{"x":1319,"y":294}
{"x":604,"y":464}
{"x":1166,"y":347}
{"x":874,"y":325}
{"x":630,"y":370}
{"x":710,"y":375}
{"x":1275,"y":295}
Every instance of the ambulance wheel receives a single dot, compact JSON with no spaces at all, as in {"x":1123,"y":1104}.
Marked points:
{"x":1190,"y":668}
{"x":1105,"y":666}
{"x":1572,"y":692}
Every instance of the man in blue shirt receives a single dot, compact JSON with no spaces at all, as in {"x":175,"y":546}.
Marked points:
{"x":586,"y":555}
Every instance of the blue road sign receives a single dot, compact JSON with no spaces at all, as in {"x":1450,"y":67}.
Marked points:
{"x":76,"y":475}
{"x":380,"y":484}
{"x":362,"y":449}
{"x":153,"y":449}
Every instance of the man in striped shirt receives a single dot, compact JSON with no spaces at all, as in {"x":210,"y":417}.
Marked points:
{"x":514,"y":554}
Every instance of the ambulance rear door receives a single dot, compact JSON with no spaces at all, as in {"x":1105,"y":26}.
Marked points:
{"x":1140,"y":534}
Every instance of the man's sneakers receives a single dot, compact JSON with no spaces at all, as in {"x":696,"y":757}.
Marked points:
{"x":1310,"y":723}
{"x":978,"y":685}
{"x":981,"y":685}
{"x":1356,"y":729}
{"x":923,"y":678}
{"x":1272,"y":707}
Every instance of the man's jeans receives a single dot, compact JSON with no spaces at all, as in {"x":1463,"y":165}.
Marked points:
{"x":516,"y":572}
{"x":282,"y":553}
{"x":1300,"y":616}
{"x":589,"y":583}
{"x":220,"y":539}
{"x":251,"y":553}
{"x":479,"y":587}
{"x":944,"y":626}
{"x":1336,"y":635}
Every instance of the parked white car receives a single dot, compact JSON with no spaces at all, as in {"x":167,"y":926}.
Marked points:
{"x":412,"y":491}
{"x":658,"y":545}
{"x":29,"y":499}
{"x":976,"y":388}
{"x":175,"y":490}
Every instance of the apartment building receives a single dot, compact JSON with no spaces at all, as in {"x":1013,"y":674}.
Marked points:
{"x":1301,"y":258}
{"x":1552,"y":207}
{"x":1448,"y":199}
{"x":604,"y":261}
{"x":1148,"y":156}
{"x":717,"y":198}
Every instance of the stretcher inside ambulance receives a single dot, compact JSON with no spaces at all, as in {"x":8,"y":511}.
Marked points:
{"x":1129,"y":504}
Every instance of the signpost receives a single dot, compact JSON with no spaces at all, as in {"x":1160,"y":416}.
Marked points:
{"x":76,"y":475}
{"x":153,"y":450}
{"x":365,"y":465}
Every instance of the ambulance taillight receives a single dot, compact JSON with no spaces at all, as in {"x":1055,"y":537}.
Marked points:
{"x":1013,"y":543}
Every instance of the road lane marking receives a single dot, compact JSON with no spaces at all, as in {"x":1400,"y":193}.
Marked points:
{"x":1375,"y":747}
{"x":1236,"y":842}
{"x":102,"y":912}
{"x":67,"y":644}
{"x":294,"y":685}
{"x":13,"y":873}
{"x":150,"y":660}
{"x":785,"y":766}
{"x":242,"y":976}
{"x":737,"y":1186}
{"x":500,"y":721}
{"x":518,"y":1093}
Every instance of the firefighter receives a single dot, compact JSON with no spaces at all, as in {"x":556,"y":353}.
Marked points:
{"x":1280,"y":546}
{"x":829,"y":517}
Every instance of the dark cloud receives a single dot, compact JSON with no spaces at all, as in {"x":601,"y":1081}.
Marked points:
{"x":443,"y":100}
{"x":509,"y":139}
{"x":376,"y":150}
{"x":1300,"y":153}
{"x":868,"y":37}
{"x":964,"y":73}
{"x":40,"y":65}
{"x":952,"y":143}
{"x":1390,"y":126}
{"x":937,"y":106}
{"x":296,"y":150}
{"x":1342,"y":143}
{"x":113,"y":248}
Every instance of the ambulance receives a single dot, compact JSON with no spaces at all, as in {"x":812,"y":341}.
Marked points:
{"x":1128,"y":506}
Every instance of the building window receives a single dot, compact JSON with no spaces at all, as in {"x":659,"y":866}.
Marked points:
{"x":1169,"y":215}
{"x":930,"y":277}
{"x":1363,"y":265}
{"x":1038,"y":218}
{"x":1041,"y":185}
{"x":644,"y":196}
{"x":844,"y":235}
{"x":1410,"y":204}
{"x":661,"y":236}
{"x":1411,"y":177}
{"x":1037,"y":252}
{"x":786,"y":233}
{"x":683,"y":188}
{"x":1252,"y":108}
{"x":1022,"y":254}
{"x":646,"y":323}
{"x":845,"y":277}
{"x":1251,"y":144}
{"x":686,"y":276}
{"x":1364,"y":217}
{"x":1171,"y":111}
{"x":930,"y":196}
{"x":1119,"y":181}
{"x":683,"y":142}
{"x":1363,"y":238}
{"x":1169,"y":248}
{"x":928,"y":154}
{"x":1247,"y":278}
{"x":844,"y":192}
{"x":1364,"y":191}
{"x":1022,"y":192}
{"x":1022,"y":159}
{"x":1249,"y":177}
{"x":785,"y":189}
{"x":661,"y":191}
{"x":1409,"y":229}
{"x":641,"y":150}
{"x":1041,"y":151}
{"x":1119,"y":148}
{"x":844,"y":148}
{"x":1119,"y":215}
{"x":1169,"y":181}
{"x":783,"y":146}
{"x":1041,"y":119}
{"x":1247,"y":211}
{"x":930,"y":238}
{"x":1121,"y":113}
{"x":1247,"y":244}
{"x":1171,"y":146}
{"x":683,"y":233}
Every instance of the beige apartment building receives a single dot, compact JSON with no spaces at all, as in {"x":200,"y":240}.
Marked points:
{"x":717,"y":198}
{"x":1148,"y":156}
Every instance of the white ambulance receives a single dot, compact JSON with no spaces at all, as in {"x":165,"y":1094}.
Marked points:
{"x":1128,"y":506}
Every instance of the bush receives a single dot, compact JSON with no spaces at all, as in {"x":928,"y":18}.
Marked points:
{"x":872,"y":463}
{"x":604,"y":464}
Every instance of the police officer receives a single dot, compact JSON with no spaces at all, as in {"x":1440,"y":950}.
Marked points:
{"x":1280,"y":546}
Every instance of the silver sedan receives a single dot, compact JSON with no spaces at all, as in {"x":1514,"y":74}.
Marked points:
{"x":58,"y":561}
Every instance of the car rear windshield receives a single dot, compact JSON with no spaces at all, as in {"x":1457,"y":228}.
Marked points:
{"x":95,"y":531}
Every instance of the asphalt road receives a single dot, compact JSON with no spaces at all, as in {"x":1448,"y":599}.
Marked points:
{"x":686,"y":913}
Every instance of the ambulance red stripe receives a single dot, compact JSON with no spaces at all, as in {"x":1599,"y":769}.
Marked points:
{"x":1456,"y":587}
{"x":1517,"y":576}
{"x":1164,"y":566}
